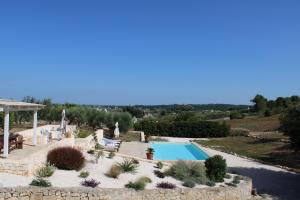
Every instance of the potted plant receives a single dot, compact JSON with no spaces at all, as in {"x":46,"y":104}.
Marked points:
{"x":149,"y":153}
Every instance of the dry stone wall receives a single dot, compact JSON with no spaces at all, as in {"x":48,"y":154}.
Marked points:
{"x":241,"y":192}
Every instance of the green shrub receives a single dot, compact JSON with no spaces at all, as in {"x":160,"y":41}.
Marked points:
{"x":84,"y":174}
{"x":140,"y":184}
{"x":45,"y":171}
{"x":216,"y":168}
{"x":290,"y":125}
{"x":124,"y":119}
{"x":111,"y":155}
{"x":236,"y":180}
{"x":159,"y":165}
{"x":40,"y":182}
{"x":183,"y":170}
{"x":210,"y":183}
{"x":136,"y":185}
{"x":267,"y":113}
{"x":189,"y":183}
{"x":128,"y":166}
{"x":159,"y":174}
{"x":114,"y":171}
{"x":67,"y":158}
{"x":236,"y":115}
{"x":145,"y":179}
{"x":84,"y":133}
{"x":227,"y":176}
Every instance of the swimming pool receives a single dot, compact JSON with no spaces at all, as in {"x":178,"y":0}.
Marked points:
{"x":177,"y":151}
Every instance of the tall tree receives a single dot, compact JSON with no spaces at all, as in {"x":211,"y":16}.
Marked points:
{"x":295,"y":100}
{"x":281,"y":102}
{"x":260,"y":103}
{"x":290,"y":124}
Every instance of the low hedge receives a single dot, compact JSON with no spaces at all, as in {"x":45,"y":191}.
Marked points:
{"x":193,"y":129}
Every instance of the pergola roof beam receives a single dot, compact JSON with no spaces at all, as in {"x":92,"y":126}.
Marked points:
{"x":12,"y":105}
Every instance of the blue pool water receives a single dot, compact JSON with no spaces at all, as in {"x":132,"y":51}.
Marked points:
{"x":177,"y":151}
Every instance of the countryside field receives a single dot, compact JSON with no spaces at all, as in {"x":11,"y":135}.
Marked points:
{"x":265,"y":143}
{"x":271,"y":150}
{"x":256,"y":124}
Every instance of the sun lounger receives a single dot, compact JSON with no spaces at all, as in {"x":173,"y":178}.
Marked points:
{"x":109,"y":146}
{"x":112,"y":141}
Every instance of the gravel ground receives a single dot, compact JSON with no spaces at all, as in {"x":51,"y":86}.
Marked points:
{"x":63,"y":178}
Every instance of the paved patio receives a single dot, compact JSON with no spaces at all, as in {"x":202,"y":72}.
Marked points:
{"x":28,"y":149}
{"x":136,"y":149}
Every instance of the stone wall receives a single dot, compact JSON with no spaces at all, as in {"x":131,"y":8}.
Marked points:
{"x":41,"y":139}
{"x":88,"y":142}
{"x":28,"y":165}
{"x":242,"y":192}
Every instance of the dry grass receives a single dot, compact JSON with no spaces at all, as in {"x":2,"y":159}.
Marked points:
{"x":130,"y":136}
{"x":272,"y":150}
{"x":257,"y":124}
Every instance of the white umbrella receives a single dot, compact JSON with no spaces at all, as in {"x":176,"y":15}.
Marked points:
{"x":63,"y":123}
{"x":117,"y":131}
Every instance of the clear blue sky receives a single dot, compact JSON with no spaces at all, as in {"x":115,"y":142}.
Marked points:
{"x":149,"y":52}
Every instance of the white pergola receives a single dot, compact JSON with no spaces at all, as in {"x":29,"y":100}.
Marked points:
{"x":7,"y":106}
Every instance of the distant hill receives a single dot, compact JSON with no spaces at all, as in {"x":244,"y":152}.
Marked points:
{"x":189,"y":107}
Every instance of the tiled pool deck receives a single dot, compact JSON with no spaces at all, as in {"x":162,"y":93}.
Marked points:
{"x":136,"y":149}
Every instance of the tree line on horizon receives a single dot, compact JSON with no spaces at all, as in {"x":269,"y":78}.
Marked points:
{"x":184,"y":122}
{"x":268,"y":107}
{"x":81,"y":115}
{"x":289,"y":110}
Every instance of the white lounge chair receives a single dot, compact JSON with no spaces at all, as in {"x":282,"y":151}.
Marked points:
{"x":112,"y":141}
{"x":109,"y":146}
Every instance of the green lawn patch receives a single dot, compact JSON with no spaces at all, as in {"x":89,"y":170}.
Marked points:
{"x":83,"y":133}
{"x":269,"y":150}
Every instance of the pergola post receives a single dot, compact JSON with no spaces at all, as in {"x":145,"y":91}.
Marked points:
{"x":6,"y":133}
{"x":34,"y":140}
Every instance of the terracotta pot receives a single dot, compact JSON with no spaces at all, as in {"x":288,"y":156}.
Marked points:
{"x":149,"y":156}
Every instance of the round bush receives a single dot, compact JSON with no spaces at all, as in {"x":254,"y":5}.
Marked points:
{"x":189,"y":183}
{"x":216,"y":168}
{"x":114,"y":171}
{"x":67,"y":158}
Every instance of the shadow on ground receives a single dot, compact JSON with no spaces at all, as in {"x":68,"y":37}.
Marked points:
{"x":282,"y":185}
